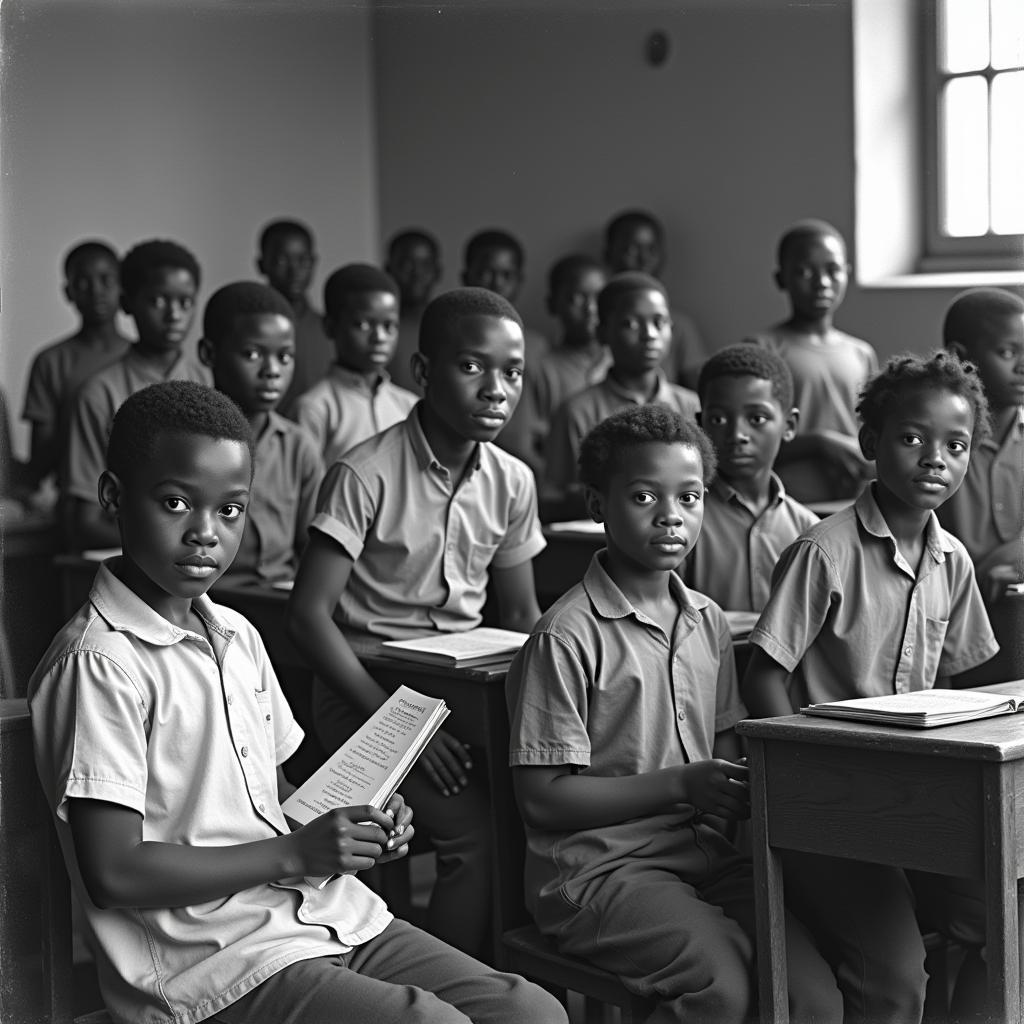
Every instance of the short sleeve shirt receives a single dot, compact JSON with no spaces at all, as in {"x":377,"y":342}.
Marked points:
{"x":737,"y":549}
{"x":850,"y":618}
{"x":421,"y":546}
{"x":601,"y":687}
{"x":345,"y":408}
{"x":187,"y":730}
{"x":93,"y":413}
{"x":282,"y":503}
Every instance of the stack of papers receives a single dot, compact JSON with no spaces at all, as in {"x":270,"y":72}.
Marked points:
{"x":454,"y":650}
{"x":922,"y":709}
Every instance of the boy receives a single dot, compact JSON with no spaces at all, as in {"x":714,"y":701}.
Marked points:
{"x":414,"y":262}
{"x":249,"y":343}
{"x":877,"y":599}
{"x":92,"y":286}
{"x":633,"y":321}
{"x":634,"y":240}
{"x":577,"y":361}
{"x":746,"y":399}
{"x":624,"y":759}
{"x":287,"y":260}
{"x":824,"y":462}
{"x":159,"y":282}
{"x":357,"y":398}
{"x":160,"y":731}
{"x":410,"y":526}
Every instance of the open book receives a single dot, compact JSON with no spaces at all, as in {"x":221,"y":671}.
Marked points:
{"x":922,"y":709}
{"x":472,"y":647}
{"x":369,"y":767}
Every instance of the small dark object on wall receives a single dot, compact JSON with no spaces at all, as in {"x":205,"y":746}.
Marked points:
{"x":656,"y":48}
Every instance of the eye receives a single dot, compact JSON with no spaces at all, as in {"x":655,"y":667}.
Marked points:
{"x":286,"y":358}
{"x":470,"y":366}
{"x":691,"y":497}
{"x":716,"y":419}
{"x":758,"y":419}
{"x":912,"y":440}
{"x":175,"y":504}
{"x":230,"y":511}
{"x":629,"y":323}
{"x":957,"y":446}
{"x":643,"y":498}
{"x":250,"y":355}
{"x":1006,"y":352}
{"x":363,"y":326}
{"x":661,"y":322}
{"x":186,"y":303}
{"x":514,"y":372}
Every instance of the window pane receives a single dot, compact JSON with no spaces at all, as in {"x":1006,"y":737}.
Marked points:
{"x":1007,"y":34}
{"x":1008,"y":153}
{"x":965,"y":157}
{"x":963,"y":35}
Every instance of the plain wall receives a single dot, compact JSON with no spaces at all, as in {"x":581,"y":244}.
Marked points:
{"x":198,"y":121}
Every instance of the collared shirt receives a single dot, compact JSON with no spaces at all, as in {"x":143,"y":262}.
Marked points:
{"x":421,"y":546}
{"x":600,"y":686}
{"x":737,"y":549}
{"x":988,"y":509}
{"x":282,"y":502}
{"x":314,"y":353}
{"x":850,"y":618}
{"x":186,"y":730}
{"x":575,"y":417}
{"x":93,"y":413}
{"x":345,"y":408}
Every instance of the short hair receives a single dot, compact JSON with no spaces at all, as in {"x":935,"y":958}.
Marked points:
{"x":749,"y":360}
{"x":568,"y":267}
{"x":906,"y":373}
{"x":441,"y":317}
{"x":83,"y":250}
{"x":241,"y":298}
{"x":977,"y":311}
{"x":629,"y":219}
{"x":637,"y":425}
{"x":492,"y":238}
{"x":176,"y":408}
{"x":140,"y":261}
{"x":810,"y":227}
{"x":278,"y":229}
{"x":352,"y":279}
{"x":626,"y":283}
{"x":413,"y":236}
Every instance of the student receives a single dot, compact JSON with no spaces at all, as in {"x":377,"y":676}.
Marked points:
{"x":249,"y":343}
{"x":159,"y":282}
{"x":414,"y":262}
{"x":624,"y":760}
{"x":357,"y":398}
{"x":635,"y":324}
{"x":160,"y":731}
{"x":746,"y":399}
{"x":634,"y":240}
{"x":877,"y":599}
{"x":824,"y":462}
{"x":287,"y":259}
{"x":92,"y":286}
{"x":411,"y":524}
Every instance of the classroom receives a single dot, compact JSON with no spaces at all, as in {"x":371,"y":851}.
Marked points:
{"x":756,"y":141}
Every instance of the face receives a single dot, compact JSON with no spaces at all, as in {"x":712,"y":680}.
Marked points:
{"x":415,"y":267}
{"x":635,"y":247}
{"x":923,"y":449}
{"x":93,"y":288}
{"x":287,"y":263}
{"x":365,"y":332}
{"x":574,"y":304}
{"x":652,"y":507}
{"x":746,"y":424}
{"x":637,"y":331}
{"x":473,"y":384}
{"x":497,"y":270}
{"x":181,"y":516}
{"x":163,"y":309}
{"x":999,"y":356}
{"x":814,"y":275}
{"x":254,"y":364}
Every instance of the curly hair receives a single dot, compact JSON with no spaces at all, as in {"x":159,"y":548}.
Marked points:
{"x":940,"y":371}
{"x":241,"y":298}
{"x":623,"y":431}
{"x":159,"y":254}
{"x":353,"y":279}
{"x":626,"y":283}
{"x":750,"y":360}
{"x":441,"y":317}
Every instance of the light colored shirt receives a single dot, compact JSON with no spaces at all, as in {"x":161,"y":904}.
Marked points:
{"x":345,"y":408}
{"x":186,"y":730}
{"x":97,"y":401}
{"x":601,"y":687}
{"x":314,"y":353}
{"x":850,"y":618}
{"x":421,"y":545}
{"x":737,"y":549}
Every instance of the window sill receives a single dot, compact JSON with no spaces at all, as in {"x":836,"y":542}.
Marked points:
{"x":958,"y":279}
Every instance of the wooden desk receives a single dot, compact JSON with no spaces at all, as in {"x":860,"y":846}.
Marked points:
{"x":948,"y":800}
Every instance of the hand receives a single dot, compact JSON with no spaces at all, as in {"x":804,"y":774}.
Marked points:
{"x":401,"y":832}
{"x":718,"y":787}
{"x":342,"y":841}
{"x":997,"y":581}
{"x":446,"y":761}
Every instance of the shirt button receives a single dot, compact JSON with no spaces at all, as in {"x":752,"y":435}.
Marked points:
{"x":268,"y":718}
{"x":681,"y":716}
{"x":231,"y":699}
{"x":245,"y":751}
{"x":908,"y":650}
{"x":262,"y":807}
{"x":999,"y":506}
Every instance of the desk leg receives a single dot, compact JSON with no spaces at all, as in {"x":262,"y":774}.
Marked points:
{"x":773,"y":994}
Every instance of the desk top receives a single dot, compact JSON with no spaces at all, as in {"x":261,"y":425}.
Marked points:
{"x":13,"y":713}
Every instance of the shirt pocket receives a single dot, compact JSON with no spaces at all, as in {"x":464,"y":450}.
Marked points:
{"x":934,"y":639}
{"x":480,"y":557}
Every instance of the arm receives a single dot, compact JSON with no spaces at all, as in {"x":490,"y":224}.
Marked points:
{"x":764,"y":688}
{"x":517,"y":596}
{"x":312,"y":472}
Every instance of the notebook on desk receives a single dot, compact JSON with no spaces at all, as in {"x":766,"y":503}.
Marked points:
{"x":922,"y":709}
{"x":458,"y":650}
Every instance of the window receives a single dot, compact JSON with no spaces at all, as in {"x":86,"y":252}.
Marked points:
{"x":974,"y":103}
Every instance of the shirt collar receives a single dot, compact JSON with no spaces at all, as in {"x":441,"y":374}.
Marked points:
{"x":421,"y":446}
{"x":358,"y":380}
{"x":610,"y":603}
{"x":276,"y":424}
{"x":936,"y":539}
{"x":727,"y":493}
{"x":660,"y":393}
